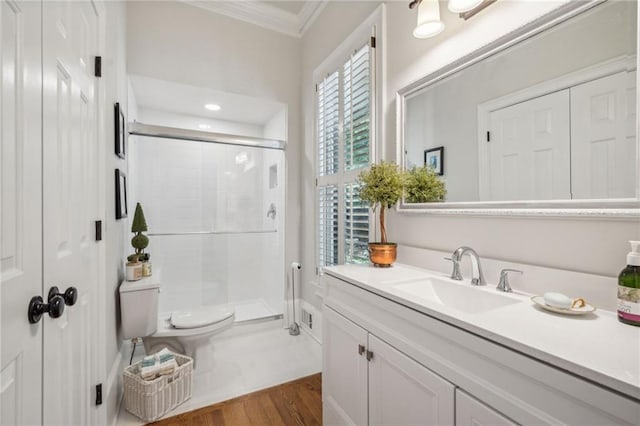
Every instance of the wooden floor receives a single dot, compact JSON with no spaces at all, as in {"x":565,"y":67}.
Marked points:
{"x":293,"y":403}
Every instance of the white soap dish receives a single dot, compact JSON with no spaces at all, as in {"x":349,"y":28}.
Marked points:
{"x":586,"y":309}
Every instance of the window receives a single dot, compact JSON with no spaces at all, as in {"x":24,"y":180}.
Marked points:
{"x":344,"y":126}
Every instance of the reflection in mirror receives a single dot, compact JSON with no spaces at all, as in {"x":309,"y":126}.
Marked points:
{"x":550,"y":118}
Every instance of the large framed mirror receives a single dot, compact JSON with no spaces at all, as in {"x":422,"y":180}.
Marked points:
{"x":542,"y":120}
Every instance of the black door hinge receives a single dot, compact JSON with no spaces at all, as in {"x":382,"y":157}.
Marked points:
{"x":488,"y":136}
{"x":98,"y":230}
{"x":99,"y":394}
{"x":98,"y":66}
{"x":373,"y":42}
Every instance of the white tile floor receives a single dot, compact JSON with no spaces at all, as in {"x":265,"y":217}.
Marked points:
{"x":247,"y":358}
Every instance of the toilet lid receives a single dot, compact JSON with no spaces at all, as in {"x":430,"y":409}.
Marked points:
{"x":201,"y":316}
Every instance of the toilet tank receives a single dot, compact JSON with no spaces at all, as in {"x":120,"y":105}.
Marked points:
{"x":139,"y":307}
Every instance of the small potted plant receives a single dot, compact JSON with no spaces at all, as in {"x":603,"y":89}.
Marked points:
{"x":423,"y":185}
{"x":381,"y":187}
{"x":139,"y":225}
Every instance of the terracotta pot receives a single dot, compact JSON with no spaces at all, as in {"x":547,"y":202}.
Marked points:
{"x":383,"y":254}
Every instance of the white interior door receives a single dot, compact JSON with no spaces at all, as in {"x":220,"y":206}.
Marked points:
{"x":603,"y":132}
{"x":21,"y":211}
{"x":528,"y":152}
{"x":70,"y":197}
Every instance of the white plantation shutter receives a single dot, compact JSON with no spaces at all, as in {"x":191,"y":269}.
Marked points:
{"x":328,"y":225}
{"x":356,"y":226}
{"x":328,"y":122}
{"x":343,"y":132}
{"x":357,"y":110}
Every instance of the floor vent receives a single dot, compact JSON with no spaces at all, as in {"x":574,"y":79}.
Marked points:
{"x":307,"y":318}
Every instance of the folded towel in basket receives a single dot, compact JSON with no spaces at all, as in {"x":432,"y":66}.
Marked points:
{"x":167,"y":362}
{"x":149,"y":368}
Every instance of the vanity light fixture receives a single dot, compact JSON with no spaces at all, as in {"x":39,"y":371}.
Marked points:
{"x":212,"y":107}
{"x":429,"y":23}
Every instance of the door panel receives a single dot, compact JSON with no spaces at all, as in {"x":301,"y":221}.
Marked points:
{"x":21,"y":211}
{"x":529,"y":150}
{"x":70,"y":185}
{"x":344,"y":369}
{"x":603,"y":129}
{"x":403,"y":392}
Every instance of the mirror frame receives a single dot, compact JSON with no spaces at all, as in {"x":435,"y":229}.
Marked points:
{"x":609,"y":208}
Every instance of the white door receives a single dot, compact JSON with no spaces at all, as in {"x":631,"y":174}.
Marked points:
{"x":21,"y":211}
{"x":471,"y":412}
{"x":603,"y":137}
{"x":528,"y":151}
{"x":70,"y":197}
{"x":344,"y":371}
{"x":403,"y":392}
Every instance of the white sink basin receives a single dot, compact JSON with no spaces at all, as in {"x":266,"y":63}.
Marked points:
{"x":462,"y":297}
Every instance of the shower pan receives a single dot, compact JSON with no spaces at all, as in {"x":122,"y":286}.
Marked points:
{"x":214,"y":207}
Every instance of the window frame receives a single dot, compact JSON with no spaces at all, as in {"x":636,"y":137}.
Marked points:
{"x":366,"y":34}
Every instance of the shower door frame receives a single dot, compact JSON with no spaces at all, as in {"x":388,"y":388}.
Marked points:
{"x":149,"y":130}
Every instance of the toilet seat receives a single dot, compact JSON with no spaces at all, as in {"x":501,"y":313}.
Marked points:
{"x":200,"y":316}
{"x":224,"y":315}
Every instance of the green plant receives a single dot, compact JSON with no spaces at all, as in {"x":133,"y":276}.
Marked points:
{"x":139,"y":225}
{"x":423,"y":185}
{"x":382,"y":186}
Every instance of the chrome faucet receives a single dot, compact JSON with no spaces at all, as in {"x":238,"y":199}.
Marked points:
{"x":475,"y":261}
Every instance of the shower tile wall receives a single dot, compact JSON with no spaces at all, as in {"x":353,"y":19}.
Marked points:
{"x":189,"y":186}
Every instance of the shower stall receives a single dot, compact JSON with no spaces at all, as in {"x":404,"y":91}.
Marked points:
{"x":214,"y":206}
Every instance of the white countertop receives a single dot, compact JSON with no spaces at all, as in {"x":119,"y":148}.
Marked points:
{"x":595,"y":346}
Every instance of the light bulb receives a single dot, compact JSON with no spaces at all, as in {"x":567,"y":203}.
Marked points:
{"x":461,"y":6}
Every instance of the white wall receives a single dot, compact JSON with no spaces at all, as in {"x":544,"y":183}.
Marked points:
{"x":587,"y":245}
{"x":176,"y":42}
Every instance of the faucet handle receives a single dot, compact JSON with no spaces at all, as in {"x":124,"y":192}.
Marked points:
{"x":503,"y":284}
{"x":455,"y":273}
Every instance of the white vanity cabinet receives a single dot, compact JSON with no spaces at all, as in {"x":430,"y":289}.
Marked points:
{"x":367,"y":381}
{"x":424,"y":370}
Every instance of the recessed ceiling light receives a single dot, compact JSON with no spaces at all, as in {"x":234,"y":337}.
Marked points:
{"x":204,"y":126}
{"x":212,"y":107}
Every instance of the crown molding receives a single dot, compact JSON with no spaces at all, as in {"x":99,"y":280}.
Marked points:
{"x":308,"y":14}
{"x":264,"y":15}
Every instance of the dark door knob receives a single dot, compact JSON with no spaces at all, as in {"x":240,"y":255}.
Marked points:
{"x":70,"y":296}
{"x":37,"y":308}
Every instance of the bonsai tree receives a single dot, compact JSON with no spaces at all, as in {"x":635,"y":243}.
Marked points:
{"x":381,"y":186}
{"x":139,"y":225}
{"x":423,"y":185}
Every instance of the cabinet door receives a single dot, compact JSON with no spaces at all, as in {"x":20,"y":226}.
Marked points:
{"x":403,"y":392}
{"x":344,"y":371}
{"x":471,"y":412}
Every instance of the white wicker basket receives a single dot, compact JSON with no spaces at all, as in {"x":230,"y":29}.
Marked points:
{"x":151,"y":399}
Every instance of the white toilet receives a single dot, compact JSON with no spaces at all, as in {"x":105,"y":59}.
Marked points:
{"x":187,"y":331}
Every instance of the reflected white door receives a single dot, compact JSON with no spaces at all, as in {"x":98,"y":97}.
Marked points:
{"x":528,"y":152}
{"x":603,"y":133}
{"x":21,"y":211}
{"x":70,"y":190}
